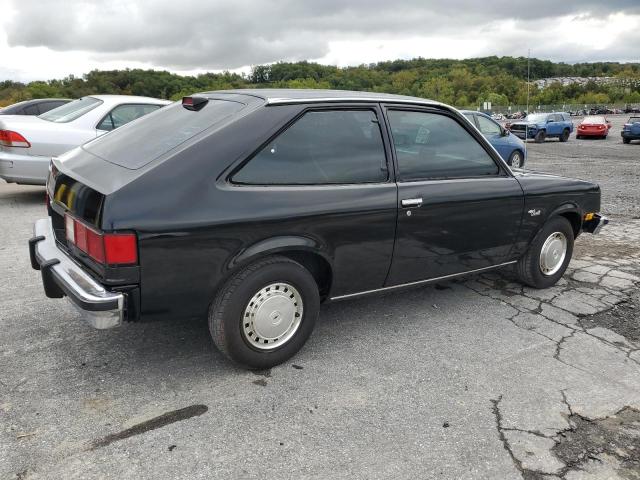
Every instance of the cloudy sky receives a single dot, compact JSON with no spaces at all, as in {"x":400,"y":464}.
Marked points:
{"x":43,"y":39}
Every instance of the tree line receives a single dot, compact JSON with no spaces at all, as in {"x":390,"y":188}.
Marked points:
{"x":463,"y":83}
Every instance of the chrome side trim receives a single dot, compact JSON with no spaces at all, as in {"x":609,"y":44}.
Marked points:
{"x":420,"y":282}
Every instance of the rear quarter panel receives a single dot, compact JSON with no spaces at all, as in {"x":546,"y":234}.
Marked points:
{"x":193,"y":226}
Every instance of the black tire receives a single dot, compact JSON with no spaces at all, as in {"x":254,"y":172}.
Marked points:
{"x":626,"y":140}
{"x":565,"y":135}
{"x":578,"y":137}
{"x":528,"y":267}
{"x":516,"y":159}
{"x":228,"y":308}
{"x":540,"y":136}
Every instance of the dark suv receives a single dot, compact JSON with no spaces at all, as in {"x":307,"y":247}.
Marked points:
{"x":251,"y":207}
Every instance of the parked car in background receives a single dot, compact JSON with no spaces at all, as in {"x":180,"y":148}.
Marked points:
{"x":28,"y":143}
{"x":631,"y":130}
{"x":541,"y":126}
{"x":251,"y":207}
{"x":594,"y":126}
{"x":510,"y":147}
{"x":34,"y":107}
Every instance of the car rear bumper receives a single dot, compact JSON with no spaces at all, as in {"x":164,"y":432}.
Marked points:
{"x":25,"y":169}
{"x":61,"y":276}
{"x":592,"y":133}
{"x":630,"y":136}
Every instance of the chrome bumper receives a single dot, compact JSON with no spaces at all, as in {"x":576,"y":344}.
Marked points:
{"x":61,"y":276}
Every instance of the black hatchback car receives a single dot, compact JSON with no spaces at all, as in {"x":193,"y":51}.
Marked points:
{"x":252,"y":207}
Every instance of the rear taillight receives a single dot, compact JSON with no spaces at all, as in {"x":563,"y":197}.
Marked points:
{"x":105,"y":248}
{"x":10,"y":138}
{"x":120,"y":248}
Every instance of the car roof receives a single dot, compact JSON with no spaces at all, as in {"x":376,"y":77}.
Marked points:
{"x":129,"y":99}
{"x":278,"y":96}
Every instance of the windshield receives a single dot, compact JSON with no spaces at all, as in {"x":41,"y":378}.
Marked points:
{"x":593,"y":120}
{"x":138,"y":143}
{"x":536,"y":117}
{"x":70,"y":111}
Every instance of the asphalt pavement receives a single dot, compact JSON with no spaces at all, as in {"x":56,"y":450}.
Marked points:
{"x":478,"y":378}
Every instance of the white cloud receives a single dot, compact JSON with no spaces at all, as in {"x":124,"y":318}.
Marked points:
{"x":42,"y":40}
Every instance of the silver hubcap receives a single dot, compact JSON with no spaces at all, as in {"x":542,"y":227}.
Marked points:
{"x":516,"y":161}
{"x":553,"y":253}
{"x":272,"y":316}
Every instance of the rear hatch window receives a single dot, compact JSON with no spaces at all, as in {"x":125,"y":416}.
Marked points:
{"x":138,"y":143}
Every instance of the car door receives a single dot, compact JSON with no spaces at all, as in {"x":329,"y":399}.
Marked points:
{"x":459,"y":209}
{"x":554,"y":127}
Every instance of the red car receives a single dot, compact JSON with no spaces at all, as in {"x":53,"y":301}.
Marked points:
{"x":594,"y":126}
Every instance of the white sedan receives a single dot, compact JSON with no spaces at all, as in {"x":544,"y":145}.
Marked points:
{"x":28,"y":143}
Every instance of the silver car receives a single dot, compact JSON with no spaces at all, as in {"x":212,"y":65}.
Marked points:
{"x":28,"y":143}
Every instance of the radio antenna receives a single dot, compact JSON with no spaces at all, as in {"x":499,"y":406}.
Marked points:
{"x":526,"y":125}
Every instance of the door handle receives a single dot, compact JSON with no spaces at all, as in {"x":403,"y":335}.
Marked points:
{"x":411,"y":202}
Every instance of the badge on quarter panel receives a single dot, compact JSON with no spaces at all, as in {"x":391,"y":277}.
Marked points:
{"x":534,"y":212}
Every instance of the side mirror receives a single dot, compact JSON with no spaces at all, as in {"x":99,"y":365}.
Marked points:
{"x":505,"y":132}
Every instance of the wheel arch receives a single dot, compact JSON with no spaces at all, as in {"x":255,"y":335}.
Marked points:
{"x":303,"y":250}
{"x":572,"y":213}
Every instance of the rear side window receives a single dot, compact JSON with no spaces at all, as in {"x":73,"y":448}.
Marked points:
{"x":31,"y":110}
{"x":136,"y":144}
{"x":123,"y":114}
{"x":322,"y":147}
{"x":435,"y":146}
{"x":72,"y":110}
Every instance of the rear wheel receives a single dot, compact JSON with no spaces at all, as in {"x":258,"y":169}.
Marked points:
{"x":548,"y":256}
{"x":565,"y":135}
{"x":516,"y":159}
{"x":265,"y":313}
{"x":626,"y":140}
{"x":578,"y":137}
{"x":540,"y":136}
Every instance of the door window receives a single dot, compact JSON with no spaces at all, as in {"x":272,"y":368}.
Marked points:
{"x":124,"y":114}
{"x":322,"y":147}
{"x":432,"y":146}
{"x":488,"y":127}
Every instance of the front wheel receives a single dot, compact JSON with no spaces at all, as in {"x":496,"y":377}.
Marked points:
{"x":548,"y":255}
{"x":516,"y":159}
{"x":540,"y":136}
{"x":626,"y":140}
{"x":265,"y":313}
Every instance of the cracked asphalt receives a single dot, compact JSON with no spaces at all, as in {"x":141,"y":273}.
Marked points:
{"x":479,"y":378}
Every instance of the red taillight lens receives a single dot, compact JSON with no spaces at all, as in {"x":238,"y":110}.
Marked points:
{"x":120,"y":248}
{"x":9,"y":138}
{"x":95,"y":246}
{"x":105,"y":248}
